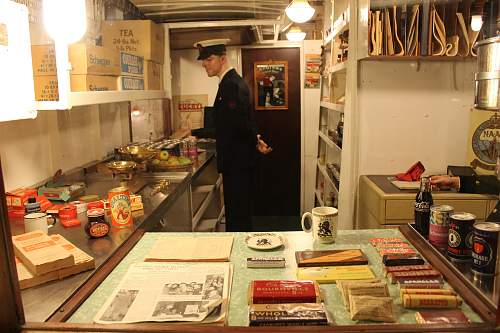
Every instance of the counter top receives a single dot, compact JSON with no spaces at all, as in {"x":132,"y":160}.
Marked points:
{"x":238,"y":310}
{"x":41,"y":301}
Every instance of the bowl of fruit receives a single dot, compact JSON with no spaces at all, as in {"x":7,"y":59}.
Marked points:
{"x":137,"y":153}
{"x":164,"y":161}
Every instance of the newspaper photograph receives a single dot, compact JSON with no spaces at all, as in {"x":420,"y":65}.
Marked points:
{"x":158,"y":291}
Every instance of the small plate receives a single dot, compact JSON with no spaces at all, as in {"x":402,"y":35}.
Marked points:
{"x":264,"y":240}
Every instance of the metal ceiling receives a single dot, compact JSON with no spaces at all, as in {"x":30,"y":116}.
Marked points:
{"x":245,"y":21}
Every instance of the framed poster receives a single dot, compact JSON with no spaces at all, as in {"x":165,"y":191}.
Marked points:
{"x":271,"y":85}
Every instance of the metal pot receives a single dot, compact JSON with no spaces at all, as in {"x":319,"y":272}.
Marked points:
{"x":488,"y":76}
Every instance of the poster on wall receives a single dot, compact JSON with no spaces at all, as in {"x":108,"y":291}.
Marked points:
{"x":271,"y":85}
{"x":188,"y":110}
{"x":484,"y":141}
{"x":312,"y":74}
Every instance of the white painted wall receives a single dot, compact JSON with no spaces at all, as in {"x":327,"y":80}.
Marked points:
{"x":32,"y":150}
{"x":410,"y":112}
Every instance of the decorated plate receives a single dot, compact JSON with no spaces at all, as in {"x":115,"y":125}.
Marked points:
{"x":264,"y":240}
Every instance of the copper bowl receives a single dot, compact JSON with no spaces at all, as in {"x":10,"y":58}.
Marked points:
{"x":137,"y":153}
{"x":121,"y":166}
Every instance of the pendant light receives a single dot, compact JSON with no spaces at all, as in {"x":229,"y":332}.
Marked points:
{"x":299,"y":11}
{"x":65,"y":20}
{"x":295,"y":35}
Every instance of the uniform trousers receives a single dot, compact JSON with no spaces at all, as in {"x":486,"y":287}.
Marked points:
{"x":238,"y":199}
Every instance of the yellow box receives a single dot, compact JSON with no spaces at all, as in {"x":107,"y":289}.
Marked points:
{"x":43,"y":60}
{"x":153,"y":76}
{"x":139,"y":37}
{"x":96,"y":60}
{"x":93,"y":83}
{"x":46,"y":88}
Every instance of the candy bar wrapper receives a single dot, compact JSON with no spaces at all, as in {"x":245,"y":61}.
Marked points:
{"x":402,"y":259}
{"x":421,"y":284}
{"x":394,"y":277}
{"x":283,"y":291}
{"x":372,"y":308}
{"x":406,"y":291}
{"x":392,"y":269}
{"x":430,"y":301}
{"x":343,"y":286}
{"x":441,"y":317}
{"x":376,"y":241}
{"x":266,"y":262}
{"x":300,"y":314}
{"x":366,"y":289}
{"x":385,"y":251}
{"x":402,"y":245}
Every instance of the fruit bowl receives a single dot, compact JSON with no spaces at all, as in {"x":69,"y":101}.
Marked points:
{"x":124,"y":167}
{"x":172,"y":163}
{"x":137,"y":153}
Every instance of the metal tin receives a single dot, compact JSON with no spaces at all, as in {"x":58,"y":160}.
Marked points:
{"x":119,"y":202}
{"x":485,"y":248}
{"x":67,"y":212}
{"x":460,"y":236}
{"x":96,"y":226}
{"x":439,"y":223}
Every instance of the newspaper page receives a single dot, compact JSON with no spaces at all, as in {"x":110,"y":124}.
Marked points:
{"x":157,"y":291}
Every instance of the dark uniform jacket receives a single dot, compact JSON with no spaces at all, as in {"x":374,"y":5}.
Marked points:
{"x":235,"y":128}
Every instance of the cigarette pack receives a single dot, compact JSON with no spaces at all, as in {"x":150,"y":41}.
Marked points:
{"x":283,"y":291}
{"x":294,"y":314}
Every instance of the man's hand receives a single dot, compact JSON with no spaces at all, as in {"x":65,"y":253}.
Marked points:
{"x":262,"y":147}
{"x":445,"y":182}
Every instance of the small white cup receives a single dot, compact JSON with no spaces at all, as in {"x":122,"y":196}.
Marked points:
{"x":323,"y":224}
{"x":36,"y":221}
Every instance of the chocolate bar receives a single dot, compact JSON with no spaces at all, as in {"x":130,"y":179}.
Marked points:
{"x":266,"y":262}
{"x":375,"y":241}
{"x":388,"y":251}
{"x":300,"y":314}
{"x":421,"y":284}
{"x":345,"y":257}
{"x":392,"y":269}
{"x":283,"y":291}
{"x":394,"y":277}
{"x":402,"y":259}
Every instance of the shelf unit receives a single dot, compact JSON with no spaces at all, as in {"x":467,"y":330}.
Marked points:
{"x":332,"y":106}
{"x":328,"y":141}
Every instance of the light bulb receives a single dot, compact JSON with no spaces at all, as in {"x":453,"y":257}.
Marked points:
{"x":476,"y":22}
{"x":295,"y":35}
{"x":299,"y":11}
{"x":65,"y":20}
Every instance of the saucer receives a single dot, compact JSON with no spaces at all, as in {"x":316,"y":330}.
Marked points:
{"x":264,"y":240}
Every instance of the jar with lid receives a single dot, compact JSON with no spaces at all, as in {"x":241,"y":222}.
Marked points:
{"x":97,"y":226}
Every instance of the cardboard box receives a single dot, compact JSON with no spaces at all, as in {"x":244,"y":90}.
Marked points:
{"x":40,"y":253}
{"x":139,"y":37}
{"x":17,"y":198}
{"x":43,"y":60}
{"x":153,"y":76}
{"x":46,"y":88}
{"x":93,"y":83}
{"x":131,"y":83}
{"x":96,"y":60}
{"x":131,"y":65}
{"x":83,"y":262}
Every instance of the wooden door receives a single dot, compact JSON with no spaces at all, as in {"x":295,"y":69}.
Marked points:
{"x":278,"y":174}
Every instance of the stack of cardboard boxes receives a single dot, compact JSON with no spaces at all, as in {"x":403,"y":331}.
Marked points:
{"x":131,"y":58}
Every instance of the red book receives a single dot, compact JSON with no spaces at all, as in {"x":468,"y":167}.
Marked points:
{"x":283,"y":291}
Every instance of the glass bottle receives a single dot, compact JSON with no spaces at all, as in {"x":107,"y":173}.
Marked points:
{"x":422,"y":206}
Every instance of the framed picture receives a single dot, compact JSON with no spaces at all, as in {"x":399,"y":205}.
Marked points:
{"x":271,"y":85}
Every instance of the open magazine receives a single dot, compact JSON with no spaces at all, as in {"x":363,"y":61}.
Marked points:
{"x":158,"y":291}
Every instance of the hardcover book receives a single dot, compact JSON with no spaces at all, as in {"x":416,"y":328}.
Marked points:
{"x":346,"y":257}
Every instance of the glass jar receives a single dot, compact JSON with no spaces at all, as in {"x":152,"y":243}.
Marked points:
{"x":97,"y":226}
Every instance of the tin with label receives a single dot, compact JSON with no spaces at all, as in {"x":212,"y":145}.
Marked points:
{"x":485,"y":248}
{"x":439,"y":223}
{"x":119,"y":204}
{"x":460,"y":236}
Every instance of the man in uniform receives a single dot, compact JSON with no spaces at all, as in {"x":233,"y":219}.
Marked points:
{"x":237,"y":141}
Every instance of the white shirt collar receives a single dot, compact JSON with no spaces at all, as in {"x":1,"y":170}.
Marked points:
{"x":225,"y":72}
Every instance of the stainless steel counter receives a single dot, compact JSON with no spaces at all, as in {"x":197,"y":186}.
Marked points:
{"x":41,"y":301}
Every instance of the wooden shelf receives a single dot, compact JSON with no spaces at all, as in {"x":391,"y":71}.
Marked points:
{"x":417,"y":58}
{"x":341,"y":24}
{"x":318,"y":196}
{"x":338,"y":68}
{"x":328,"y":141}
{"x":332,"y":106}
{"x":325,"y":176}
{"x":103,"y":97}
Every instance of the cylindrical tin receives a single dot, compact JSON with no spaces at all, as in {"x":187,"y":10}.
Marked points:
{"x":119,"y":203}
{"x":67,"y":212}
{"x":460,"y":236}
{"x":439,"y":223}
{"x":485,"y":248}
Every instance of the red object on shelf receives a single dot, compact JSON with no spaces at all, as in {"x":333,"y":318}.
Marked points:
{"x":413,"y":173}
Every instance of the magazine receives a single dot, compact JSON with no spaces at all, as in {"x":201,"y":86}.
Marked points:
{"x":158,"y":291}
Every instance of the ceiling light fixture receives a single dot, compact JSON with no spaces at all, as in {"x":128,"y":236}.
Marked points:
{"x":299,"y":11}
{"x":476,"y":22}
{"x":295,"y":35}
{"x":65,"y":20}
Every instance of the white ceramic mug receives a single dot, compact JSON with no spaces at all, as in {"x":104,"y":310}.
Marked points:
{"x":36,"y":221}
{"x":323,"y":224}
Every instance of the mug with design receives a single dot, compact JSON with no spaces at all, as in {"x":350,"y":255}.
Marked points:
{"x":36,"y":221}
{"x":323,"y":224}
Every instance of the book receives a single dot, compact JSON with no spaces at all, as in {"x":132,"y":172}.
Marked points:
{"x":345,"y":257}
{"x":295,"y":314}
{"x":40,"y":253}
{"x":334,"y":273}
{"x":173,"y":249}
{"x":283,"y":291}
{"x":445,"y":317}
{"x":83,"y":262}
